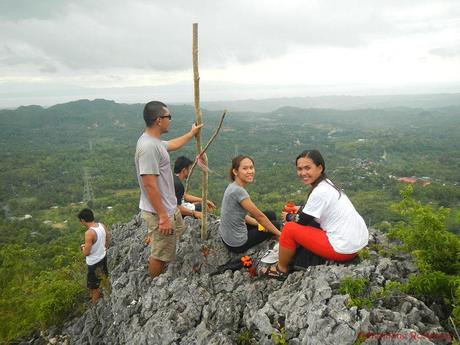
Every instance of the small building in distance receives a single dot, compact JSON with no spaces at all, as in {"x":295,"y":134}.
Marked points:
{"x":411,"y":180}
{"x":424,"y":181}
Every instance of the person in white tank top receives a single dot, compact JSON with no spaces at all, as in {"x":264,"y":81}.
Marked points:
{"x":97,"y":240}
{"x":98,"y":250}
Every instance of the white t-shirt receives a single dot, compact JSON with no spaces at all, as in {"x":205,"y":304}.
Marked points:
{"x":345,"y":228}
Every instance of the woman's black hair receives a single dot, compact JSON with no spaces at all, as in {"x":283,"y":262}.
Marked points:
{"x":318,"y":160}
{"x":236,"y":161}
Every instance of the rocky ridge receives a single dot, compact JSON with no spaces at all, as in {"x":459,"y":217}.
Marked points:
{"x":189,"y":305}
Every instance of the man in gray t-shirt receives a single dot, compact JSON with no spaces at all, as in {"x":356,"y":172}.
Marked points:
{"x":157,"y":201}
{"x":152,"y":158}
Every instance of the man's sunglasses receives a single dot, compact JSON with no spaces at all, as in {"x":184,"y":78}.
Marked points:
{"x":166,"y":116}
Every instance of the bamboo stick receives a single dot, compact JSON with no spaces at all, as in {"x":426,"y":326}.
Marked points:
{"x":199,"y":120}
{"x":204,"y":150}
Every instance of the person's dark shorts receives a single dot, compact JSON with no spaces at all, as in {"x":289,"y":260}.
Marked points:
{"x":96,"y":273}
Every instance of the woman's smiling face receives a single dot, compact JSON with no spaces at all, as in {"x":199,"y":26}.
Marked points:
{"x":308,"y":171}
{"x":245,"y":172}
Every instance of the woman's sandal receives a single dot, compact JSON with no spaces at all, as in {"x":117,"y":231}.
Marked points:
{"x":275,"y":273}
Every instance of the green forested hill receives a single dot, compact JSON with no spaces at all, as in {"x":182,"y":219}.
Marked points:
{"x":44,"y":151}
{"x":47,"y":156}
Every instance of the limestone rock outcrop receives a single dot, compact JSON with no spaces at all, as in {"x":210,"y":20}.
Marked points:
{"x":189,"y":305}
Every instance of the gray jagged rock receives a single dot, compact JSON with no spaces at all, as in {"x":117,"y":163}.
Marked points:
{"x":189,"y":305}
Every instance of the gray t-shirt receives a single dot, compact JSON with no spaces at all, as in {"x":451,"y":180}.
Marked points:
{"x":152,"y":158}
{"x":232,"y":226}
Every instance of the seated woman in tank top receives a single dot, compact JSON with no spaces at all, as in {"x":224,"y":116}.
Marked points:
{"x":342,"y":232}
{"x":240,"y":219}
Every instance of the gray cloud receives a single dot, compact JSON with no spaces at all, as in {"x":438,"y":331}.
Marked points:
{"x":23,"y":9}
{"x":449,"y":52}
{"x":23,"y":56}
{"x":54,"y":35}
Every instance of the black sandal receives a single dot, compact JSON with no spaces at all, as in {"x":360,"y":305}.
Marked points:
{"x":276,"y":273}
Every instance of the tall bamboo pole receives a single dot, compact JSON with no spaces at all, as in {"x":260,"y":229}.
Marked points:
{"x":187,"y":184}
{"x":199,"y":120}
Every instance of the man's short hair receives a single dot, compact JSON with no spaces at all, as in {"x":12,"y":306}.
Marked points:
{"x":86,"y":214}
{"x":152,"y":111}
{"x":181,"y":163}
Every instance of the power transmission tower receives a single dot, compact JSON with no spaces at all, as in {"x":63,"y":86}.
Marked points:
{"x":88,"y":194}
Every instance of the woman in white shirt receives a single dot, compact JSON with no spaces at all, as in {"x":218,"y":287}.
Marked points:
{"x":328,"y":225}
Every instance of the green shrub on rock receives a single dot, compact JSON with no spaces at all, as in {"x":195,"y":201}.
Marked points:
{"x":424,"y":234}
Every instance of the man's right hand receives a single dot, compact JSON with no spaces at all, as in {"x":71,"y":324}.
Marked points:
{"x":195,"y":129}
{"x":165,"y":226}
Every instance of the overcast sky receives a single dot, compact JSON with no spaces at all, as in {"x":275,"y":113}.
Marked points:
{"x":53,"y":51}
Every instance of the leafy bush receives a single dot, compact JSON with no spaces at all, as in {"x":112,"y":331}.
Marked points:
{"x":362,"y":297}
{"x":353,"y":286}
{"x":55,"y":297}
{"x":424,"y":234}
{"x":436,"y":250}
{"x":31,"y":299}
{"x":357,"y":289}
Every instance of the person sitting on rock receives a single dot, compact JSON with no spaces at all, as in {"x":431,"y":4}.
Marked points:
{"x":238,"y":230}
{"x":189,"y":205}
{"x":97,"y":240}
{"x":342,"y":232}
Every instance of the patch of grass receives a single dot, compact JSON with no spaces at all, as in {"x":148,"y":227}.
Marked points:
{"x":245,"y":338}
{"x":279,"y":338}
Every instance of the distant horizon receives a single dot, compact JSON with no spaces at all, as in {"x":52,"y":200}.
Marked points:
{"x":211,"y":93}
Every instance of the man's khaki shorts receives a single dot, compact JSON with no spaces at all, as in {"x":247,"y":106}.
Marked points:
{"x":163,"y":247}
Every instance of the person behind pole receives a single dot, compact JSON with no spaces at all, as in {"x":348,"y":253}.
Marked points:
{"x":158,"y":203}
{"x":238,"y":230}
{"x":328,"y":225}
{"x":189,"y":205}
{"x":97,"y":240}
